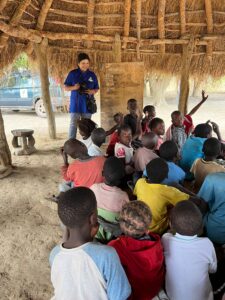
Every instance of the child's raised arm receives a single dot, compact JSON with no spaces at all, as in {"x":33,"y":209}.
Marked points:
{"x":194,"y":109}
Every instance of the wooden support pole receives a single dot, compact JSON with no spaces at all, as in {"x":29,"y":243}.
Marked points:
{"x":138,"y":20}
{"x":161,"y":23}
{"x":41,"y":53}
{"x":90,"y":20}
{"x":209,"y":21}
{"x":182,"y":17}
{"x":117,"y":49}
{"x":126,"y":29}
{"x":5,"y":154}
{"x":185,"y":71}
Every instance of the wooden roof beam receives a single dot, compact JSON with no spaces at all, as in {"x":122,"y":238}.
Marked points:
{"x":138,"y":20}
{"x":126,"y":26}
{"x":15,"y":19}
{"x":90,"y":20}
{"x":161,"y":23}
{"x":209,"y":22}
{"x":182,"y":17}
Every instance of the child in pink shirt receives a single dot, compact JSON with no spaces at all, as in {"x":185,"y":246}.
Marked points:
{"x":157,"y":126}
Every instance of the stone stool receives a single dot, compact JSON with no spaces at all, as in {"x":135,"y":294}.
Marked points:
{"x":23,"y":141}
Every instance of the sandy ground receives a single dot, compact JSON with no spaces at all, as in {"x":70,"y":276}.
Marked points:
{"x":28,"y":222}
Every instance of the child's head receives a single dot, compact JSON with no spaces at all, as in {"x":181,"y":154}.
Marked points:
{"x":75,"y":148}
{"x":177,"y":118}
{"x":157,"y":170}
{"x":212,"y":147}
{"x":77,"y":209}
{"x":113,"y":171}
{"x":135,"y":218}
{"x":168,"y":151}
{"x":86,"y":126}
{"x":132,"y":105}
{"x":149,"y":111}
{"x":186,"y":218}
{"x":98,"y":136}
{"x":150,"y":140}
{"x":157,"y":125}
{"x":118,"y":118}
{"x":203,"y":130}
{"x":125,"y":135}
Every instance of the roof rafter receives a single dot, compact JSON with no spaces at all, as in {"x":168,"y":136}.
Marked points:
{"x":209,"y":22}
{"x":182,"y":17}
{"x":161,"y":23}
{"x":127,"y":15}
{"x":138,"y":20}
{"x":90,"y":20}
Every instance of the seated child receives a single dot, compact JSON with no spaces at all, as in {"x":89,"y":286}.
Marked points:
{"x":176,"y":132}
{"x":189,"y":258}
{"x":204,"y":166}
{"x":157,"y":195}
{"x":84,"y":170}
{"x":140,"y":251}
{"x":85,"y":127}
{"x":145,"y":154}
{"x":108,"y":195}
{"x":158,"y":127}
{"x":213,"y":192}
{"x":169,"y":151}
{"x":133,"y":119}
{"x":80,"y":268}
{"x":98,"y":136}
{"x":149,"y":111}
{"x":123,"y":149}
{"x":113,"y":132}
{"x":192,"y":148}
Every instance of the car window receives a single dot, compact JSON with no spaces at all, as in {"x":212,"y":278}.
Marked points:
{"x":11,"y":81}
{"x":24,"y":81}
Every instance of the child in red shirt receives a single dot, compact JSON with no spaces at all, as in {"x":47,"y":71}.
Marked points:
{"x":140,"y":251}
{"x":85,"y":170}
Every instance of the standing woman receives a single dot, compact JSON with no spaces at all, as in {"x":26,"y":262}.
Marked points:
{"x":83,"y":84}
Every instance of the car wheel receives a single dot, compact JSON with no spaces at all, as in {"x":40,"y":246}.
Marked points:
{"x":40,"y":109}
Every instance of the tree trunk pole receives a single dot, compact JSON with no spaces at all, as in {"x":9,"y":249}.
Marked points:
{"x":185,"y":71}
{"x":41,"y":53}
{"x":5,"y":154}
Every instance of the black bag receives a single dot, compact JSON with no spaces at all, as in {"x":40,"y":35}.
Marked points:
{"x":91,"y":104}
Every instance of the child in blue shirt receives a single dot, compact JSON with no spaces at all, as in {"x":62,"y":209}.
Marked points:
{"x":80,"y":268}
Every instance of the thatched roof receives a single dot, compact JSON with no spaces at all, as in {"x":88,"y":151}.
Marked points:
{"x":153,"y":31}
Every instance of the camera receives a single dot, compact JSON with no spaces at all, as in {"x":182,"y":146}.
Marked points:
{"x":83,"y":88}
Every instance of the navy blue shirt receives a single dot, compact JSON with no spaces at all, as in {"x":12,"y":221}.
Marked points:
{"x":77,"y":100}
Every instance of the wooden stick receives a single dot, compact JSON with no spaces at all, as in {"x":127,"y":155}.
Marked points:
{"x":43,"y":14}
{"x":182,"y":17}
{"x":41,"y":51}
{"x":161,"y":23}
{"x":209,"y":21}
{"x":117,"y":49}
{"x":185,"y":71}
{"x":90,"y":20}
{"x":138,"y":21}
{"x":126,"y":26}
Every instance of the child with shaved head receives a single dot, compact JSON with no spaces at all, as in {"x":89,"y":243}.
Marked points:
{"x":80,"y":268}
{"x":140,"y":251}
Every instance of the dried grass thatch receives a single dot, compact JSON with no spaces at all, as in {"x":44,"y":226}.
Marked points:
{"x":153,"y":31}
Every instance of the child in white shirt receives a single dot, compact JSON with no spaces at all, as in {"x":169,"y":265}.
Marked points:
{"x":189,"y":258}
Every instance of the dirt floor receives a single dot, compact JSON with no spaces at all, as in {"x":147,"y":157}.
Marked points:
{"x":28,"y":222}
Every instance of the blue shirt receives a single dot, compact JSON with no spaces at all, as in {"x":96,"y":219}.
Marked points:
{"x":78,"y":101}
{"x":191,"y":150}
{"x":175,"y":174}
{"x":213,"y":192}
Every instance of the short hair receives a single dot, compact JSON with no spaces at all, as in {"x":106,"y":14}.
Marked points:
{"x":98,"y":136}
{"x":212,"y":147}
{"x":124,"y":128}
{"x":157,"y":170}
{"x":168,"y":150}
{"x":75,"y":206}
{"x":86,"y":126}
{"x":75,"y":148}
{"x":132,"y":100}
{"x":202,"y":130}
{"x":149,"y":140}
{"x":176,"y":113}
{"x":149,"y":108}
{"x":82,"y":56}
{"x":155,"y":122}
{"x":135,"y":218}
{"x":113,"y":171}
{"x":186,"y":218}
